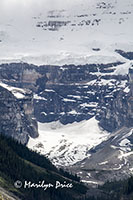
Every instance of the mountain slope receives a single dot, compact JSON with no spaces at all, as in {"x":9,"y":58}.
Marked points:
{"x":66,"y":145}
{"x":111,"y":160}
{"x":15,"y":121}
{"x":70,"y":94}
{"x":86,"y":50}
{"x":18,"y":163}
{"x":66,"y":33}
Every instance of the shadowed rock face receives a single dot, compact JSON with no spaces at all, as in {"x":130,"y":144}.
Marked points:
{"x":113,"y":158}
{"x":72,"y":93}
{"x":66,"y":93}
{"x":13,"y":120}
{"x":131,"y":80}
{"x":120,"y":111}
{"x":108,"y":161}
{"x":117,"y":114}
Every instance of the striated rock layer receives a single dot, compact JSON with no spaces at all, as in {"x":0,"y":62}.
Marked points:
{"x":66,"y":93}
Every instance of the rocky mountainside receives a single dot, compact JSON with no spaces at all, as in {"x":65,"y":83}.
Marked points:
{"x":15,"y":120}
{"x":112,"y":159}
{"x":119,"y":112}
{"x":69,"y":66}
{"x":26,"y":175}
{"x":66,"y":95}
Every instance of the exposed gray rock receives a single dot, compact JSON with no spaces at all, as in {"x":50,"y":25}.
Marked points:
{"x":74,"y":93}
{"x":14,"y":121}
{"x":110,"y":160}
{"x":66,"y":93}
{"x":119,"y":111}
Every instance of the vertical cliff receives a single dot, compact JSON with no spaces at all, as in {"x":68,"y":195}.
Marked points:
{"x":119,"y":112}
{"x":15,"y":120}
{"x":130,"y":99}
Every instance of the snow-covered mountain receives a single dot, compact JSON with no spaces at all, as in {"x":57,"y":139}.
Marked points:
{"x":95,"y":155}
{"x":70,"y":32}
{"x":83,"y":89}
{"x":88,"y":114}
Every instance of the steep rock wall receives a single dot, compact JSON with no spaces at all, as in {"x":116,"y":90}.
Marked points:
{"x":119,"y":112}
{"x":14,"y":121}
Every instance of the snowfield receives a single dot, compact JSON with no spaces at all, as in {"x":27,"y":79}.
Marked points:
{"x":86,"y":32}
{"x":67,"y":144}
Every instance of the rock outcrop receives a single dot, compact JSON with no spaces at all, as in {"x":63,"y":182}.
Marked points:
{"x":72,"y":93}
{"x":15,"y":120}
{"x":66,"y":93}
{"x":119,"y":111}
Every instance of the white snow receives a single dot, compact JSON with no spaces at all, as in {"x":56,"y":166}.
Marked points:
{"x":17,"y":92}
{"x":92,"y":182}
{"x":90,"y":104}
{"x":102,"y":82}
{"x":73,"y":112}
{"x":21,"y":40}
{"x":125,"y":142}
{"x":49,"y":90}
{"x":18,"y":95}
{"x":118,"y":168}
{"x":71,"y":100}
{"x":123,"y":69}
{"x":126,"y":89}
{"x":67,"y":144}
{"x":103,"y":163}
{"x":113,"y":147}
{"x":39,"y":97}
{"x":79,"y":172}
{"x":123,"y":154}
{"x":43,"y":113}
{"x":74,"y":96}
{"x":131,"y":169}
{"x":128,"y":134}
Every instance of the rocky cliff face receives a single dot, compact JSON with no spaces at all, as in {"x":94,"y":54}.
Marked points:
{"x":111,"y":159}
{"x":14,"y":119}
{"x":70,"y":94}
{"x":119,"y":111}
{"x":66,"y":93}
{"x":73,"y":93}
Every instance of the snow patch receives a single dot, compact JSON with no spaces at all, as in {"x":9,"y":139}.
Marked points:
{"x":127,"y":90}
{"x":125,"y":143}
{"x":17,"y":92}
{"x":103,"y":163}
{"x":67,"y":144}
{"x":69,"y":100}
{"x":39,"y":97}
{"x":123,"y":69}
